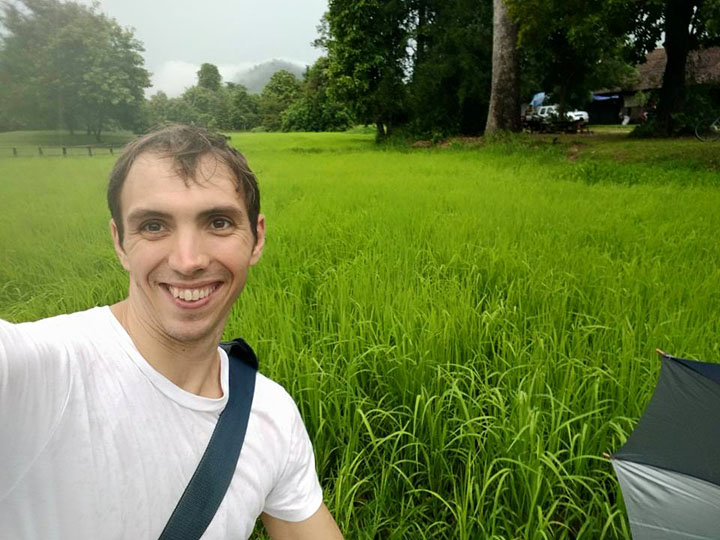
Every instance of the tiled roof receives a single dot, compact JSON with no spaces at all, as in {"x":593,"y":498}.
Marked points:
{"x":703,"y":67}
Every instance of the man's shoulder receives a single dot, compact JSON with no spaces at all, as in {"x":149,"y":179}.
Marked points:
{"x":272,"y":393}
{"x":86,"y":317}
{"x":60,"y":330}
{"x":274,"y":404}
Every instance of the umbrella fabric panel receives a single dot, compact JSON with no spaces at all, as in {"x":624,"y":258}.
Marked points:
{"x":711,"y":371}
{"x":680,"y":430}
{"x":666,"y":505}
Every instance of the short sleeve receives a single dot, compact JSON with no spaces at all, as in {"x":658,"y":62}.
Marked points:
{"x":297,"y":494}
{"x":34,"y":388}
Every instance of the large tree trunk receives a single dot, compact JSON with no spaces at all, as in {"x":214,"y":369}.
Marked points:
{"x":504,"y":110}
{"x":678,"y":14}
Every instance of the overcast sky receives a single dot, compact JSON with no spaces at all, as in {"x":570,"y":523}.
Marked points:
{"x":179,"y":35}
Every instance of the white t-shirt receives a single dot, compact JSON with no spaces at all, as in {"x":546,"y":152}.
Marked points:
{"x":94,"y":443}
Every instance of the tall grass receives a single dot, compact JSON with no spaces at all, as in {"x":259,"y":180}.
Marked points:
{"x":465,"y":330}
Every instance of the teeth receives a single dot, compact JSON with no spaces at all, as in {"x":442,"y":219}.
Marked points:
{"x":191,"y":295}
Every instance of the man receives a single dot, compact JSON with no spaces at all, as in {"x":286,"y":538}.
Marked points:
{"x":105,"y":414}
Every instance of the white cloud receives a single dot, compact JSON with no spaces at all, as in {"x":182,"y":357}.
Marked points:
{"x":173,"y":77}
{"x":229,"y":72}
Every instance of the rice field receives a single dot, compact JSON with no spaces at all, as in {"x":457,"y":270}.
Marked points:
{"x":465,"y":329}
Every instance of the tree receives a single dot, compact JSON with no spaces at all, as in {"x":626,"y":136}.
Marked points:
{"x":315,"y":109}
{"x":687,"y":25}
{"x":209,"y":77}
{"x":279,"y":93}
{"x":421,"y":62}
{"x":244,"y":113}
{"x":570,"y":47}
{"x":450,"y":51}
{"x":157,"y":110}
{"x":210,"y":109}
{"x":504,"y":112}
{"x":366,"y":44}
{"x":65,"y":64}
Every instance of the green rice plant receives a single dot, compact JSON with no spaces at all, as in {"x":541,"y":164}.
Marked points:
{"x":465,"y":330}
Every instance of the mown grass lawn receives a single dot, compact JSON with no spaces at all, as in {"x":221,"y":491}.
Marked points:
{"x":466,"y":329}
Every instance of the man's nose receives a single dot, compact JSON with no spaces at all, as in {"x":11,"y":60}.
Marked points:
{"x":188,"y":255}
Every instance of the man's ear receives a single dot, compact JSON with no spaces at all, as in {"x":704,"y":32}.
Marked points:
{"x":119,"y":251}
{"x":259,"y":241}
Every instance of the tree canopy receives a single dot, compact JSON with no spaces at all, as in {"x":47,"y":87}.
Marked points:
{"x":423,"y":66}
{"x":279,"y":93}
{"x":65,"y":64}
{"x":316,"y":109}
{"x":209,"y":77}
{"x":366,"y":43}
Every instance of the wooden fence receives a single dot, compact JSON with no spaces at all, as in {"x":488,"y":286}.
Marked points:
{"x":59,"y":151}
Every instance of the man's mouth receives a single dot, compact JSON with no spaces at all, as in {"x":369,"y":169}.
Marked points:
{"x":192,"y":294}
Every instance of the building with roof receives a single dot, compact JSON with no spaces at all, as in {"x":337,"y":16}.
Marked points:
{"x":610,"y":104}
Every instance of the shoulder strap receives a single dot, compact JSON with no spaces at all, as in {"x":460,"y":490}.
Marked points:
{"x":206,"y":489}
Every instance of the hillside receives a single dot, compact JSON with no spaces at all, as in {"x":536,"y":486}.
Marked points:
{"x":257,"y":77}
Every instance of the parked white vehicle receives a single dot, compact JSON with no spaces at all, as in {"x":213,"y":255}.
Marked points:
{"x":549,"y":112}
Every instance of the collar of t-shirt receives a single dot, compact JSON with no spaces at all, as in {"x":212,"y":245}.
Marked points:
{"x":162,"y":383}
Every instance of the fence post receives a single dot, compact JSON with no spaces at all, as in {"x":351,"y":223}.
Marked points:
{"x":40,"y":152}
{"x":14,"y":152}
{"x":89,"y":151}
{"x":64,"y":151}
{"x":111,"y":151}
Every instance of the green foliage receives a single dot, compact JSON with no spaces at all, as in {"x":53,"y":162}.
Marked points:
{"x":685,"y":26}
{"x":210,"y":108}
{"x":209,"y":77}
{"x":315,"y":109}
{"x":450,"y":87}
{"x":367,"y":48}
{"x":465,"y":330}
{"x":244,"y":108}
{"x":226,"y":108}
{"x":279,"y":93}
{"x":65,"y":64}
{"x":258,"y":76}
{"x":701,"y":102}
{"x":572,"y":47}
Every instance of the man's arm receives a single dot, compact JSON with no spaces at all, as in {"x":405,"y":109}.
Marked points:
{"x":319,"y":526}
{"x":35,"y":381}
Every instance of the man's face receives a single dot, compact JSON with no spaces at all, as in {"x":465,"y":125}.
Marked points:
{"x":187,"y":247}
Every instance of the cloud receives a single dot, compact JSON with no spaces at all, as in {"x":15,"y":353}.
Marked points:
{"x":173,"y":77}
{"x":230,"y":72}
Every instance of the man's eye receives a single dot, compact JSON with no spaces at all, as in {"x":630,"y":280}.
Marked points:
{"x":152,"y":227}
{"x":220,"y":223}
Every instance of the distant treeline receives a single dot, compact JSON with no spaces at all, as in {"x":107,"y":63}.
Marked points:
{"x":285,"y":103}
{"x":425,"y":66}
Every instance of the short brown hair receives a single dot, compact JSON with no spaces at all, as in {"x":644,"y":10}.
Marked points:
{"x":185,"y":145}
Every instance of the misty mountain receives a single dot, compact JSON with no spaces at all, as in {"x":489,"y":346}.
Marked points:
{"x":255,"y":78}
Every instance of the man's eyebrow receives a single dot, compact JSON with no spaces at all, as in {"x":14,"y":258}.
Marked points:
{"x":229,"y":210}
{"x":141,"y":214}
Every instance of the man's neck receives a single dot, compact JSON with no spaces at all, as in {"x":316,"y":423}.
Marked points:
{"x":193,"y":366}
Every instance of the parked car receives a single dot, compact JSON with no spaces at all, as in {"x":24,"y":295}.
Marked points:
{"x":548,"y":113}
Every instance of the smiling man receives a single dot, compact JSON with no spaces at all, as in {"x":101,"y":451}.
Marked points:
{"x":105,"y":414}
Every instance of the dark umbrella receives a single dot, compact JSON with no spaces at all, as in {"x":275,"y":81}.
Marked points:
{"x":669,"y":469}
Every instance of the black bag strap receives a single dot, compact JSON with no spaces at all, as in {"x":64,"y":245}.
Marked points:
{"x":206,"y":489}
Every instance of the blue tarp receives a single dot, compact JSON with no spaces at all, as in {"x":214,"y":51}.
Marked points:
{"x":604,"y":98}
{"x":538,"y":99}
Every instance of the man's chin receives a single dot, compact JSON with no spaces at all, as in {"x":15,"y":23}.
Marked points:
{"x":188,"y":334}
